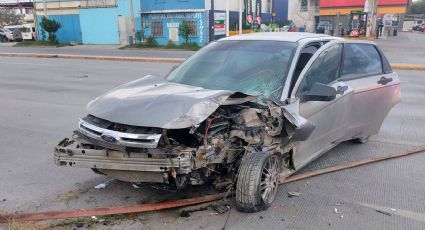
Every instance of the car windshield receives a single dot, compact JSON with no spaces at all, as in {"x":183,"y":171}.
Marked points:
{"x":255,"y":68}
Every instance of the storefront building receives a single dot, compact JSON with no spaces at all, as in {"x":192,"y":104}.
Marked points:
{"x":346,"y":15}
{"x":161,"y":19}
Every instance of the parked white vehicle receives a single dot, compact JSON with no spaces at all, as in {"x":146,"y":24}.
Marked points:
{"x":6,"y":35}
{"x":27,"y":31}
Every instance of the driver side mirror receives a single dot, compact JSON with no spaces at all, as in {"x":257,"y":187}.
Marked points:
{"x":319,"y":92}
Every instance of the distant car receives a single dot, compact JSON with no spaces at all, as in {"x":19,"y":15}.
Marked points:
{"x":23,"y":32}
{"x":240,"y":113}
{"x":6,"y":35}
{"x":418,"y":27}
{"x":321,"y":27}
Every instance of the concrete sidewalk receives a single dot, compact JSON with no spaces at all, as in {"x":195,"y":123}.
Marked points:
{"x":97,"y":50}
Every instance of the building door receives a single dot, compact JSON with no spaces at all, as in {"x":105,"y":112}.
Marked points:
{"x":124,"y":28}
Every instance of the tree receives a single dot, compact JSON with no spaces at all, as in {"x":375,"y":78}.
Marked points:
{"x":8,"y":17}
{"x":417,"y":7}
{"x":51,"y":26}
{"x":185,"y":30}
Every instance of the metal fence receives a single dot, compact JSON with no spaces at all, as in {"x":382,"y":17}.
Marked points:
{"x":98,"y":3}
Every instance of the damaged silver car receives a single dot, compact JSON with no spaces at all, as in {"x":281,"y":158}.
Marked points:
{"x":240,"y":113}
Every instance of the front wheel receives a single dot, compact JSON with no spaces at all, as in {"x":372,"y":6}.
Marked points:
{"x":257,"y":182}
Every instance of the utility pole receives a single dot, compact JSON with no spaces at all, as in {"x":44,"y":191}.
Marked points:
{"x":132,"y":20}
{"x":374,"y":16}
{"x":227,"y":18}
{"x":372,"y":10}
{"x":240,"y":16}
{"x":45,"y":8}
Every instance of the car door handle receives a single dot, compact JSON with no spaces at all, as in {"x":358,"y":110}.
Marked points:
{"x":341,"y":89}
{"x":384,"y":80}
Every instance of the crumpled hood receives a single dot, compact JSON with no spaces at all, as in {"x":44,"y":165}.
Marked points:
{"x":154,"y":102}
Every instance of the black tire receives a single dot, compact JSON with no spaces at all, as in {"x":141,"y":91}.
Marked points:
{"x":361,"y":140}
{"x":249,"y":194}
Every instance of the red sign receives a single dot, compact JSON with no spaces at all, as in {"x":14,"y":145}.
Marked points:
{"x":360,"y":3}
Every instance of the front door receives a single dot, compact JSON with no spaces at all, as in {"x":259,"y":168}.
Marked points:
{"x":124,"y":27}
{"x":328,"y":117}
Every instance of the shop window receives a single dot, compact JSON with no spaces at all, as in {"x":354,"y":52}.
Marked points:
{"x":157,"y":29}
{"x":304,"y":5}
{"x":194,"y":26}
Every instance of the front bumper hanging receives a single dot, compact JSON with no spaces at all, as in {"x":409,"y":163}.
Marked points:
{"x":77,"y":152}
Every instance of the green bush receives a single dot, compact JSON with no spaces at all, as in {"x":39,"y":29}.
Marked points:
{"x":185,"y":30}
{"x":151,"y":42}
{"x":170,"y":45}
{"x":51,"y":26}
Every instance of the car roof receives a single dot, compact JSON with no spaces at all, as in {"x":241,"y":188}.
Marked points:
{"x":276,"y":36}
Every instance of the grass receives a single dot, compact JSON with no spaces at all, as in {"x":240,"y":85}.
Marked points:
{"x":71,"y":196}
{"x":38,"y":44}
{"x":189,"y":46}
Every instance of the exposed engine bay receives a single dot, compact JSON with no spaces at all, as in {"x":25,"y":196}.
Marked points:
{"x":209,"y":152}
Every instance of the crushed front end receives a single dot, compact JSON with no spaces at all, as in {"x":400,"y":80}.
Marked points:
{"x":207,"y":152}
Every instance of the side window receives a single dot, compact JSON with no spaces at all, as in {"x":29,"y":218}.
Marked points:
{"x":361,"y":60}
{"x":324,"y":70}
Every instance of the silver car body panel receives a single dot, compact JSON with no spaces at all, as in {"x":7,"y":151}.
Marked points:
{"x":371,"y":104}
{"x":151,"y":102}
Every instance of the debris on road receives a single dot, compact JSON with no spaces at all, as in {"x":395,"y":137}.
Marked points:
{"x":187,"y":213}
{"x":103,"y":185}
{"x":336,"y":204}
{"x":336,"y":211}
{"x":383,"y":212}
{"x":221,"y":208}
{"x":292,"y":194}
{"x":393,"y":209}
{"x":135,"y":186}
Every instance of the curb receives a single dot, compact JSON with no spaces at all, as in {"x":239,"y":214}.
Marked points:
{"x":398,"y":66}
{"x":407,"y":66}
{"x":85,"y":57}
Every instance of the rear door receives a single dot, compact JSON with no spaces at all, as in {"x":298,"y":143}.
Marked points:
{"x":328,"y":117}
{"x":376,"y":88}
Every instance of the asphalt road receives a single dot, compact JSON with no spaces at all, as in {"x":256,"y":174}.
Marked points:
{"x":407,"y":43}
{"x":42,"y":99}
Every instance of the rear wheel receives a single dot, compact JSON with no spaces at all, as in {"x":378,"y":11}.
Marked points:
{"x":257,"y":182}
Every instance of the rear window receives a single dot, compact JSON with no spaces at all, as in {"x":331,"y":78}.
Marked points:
{"x":361,"y":60}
